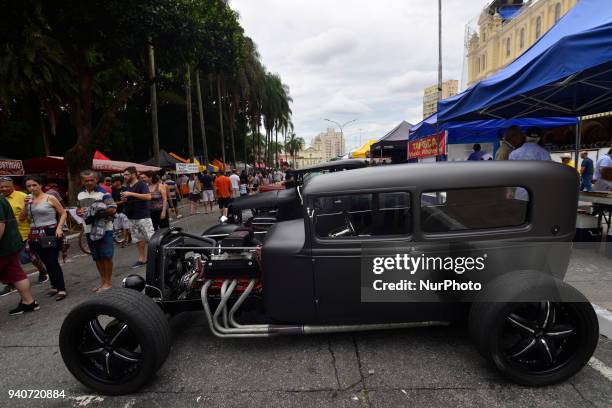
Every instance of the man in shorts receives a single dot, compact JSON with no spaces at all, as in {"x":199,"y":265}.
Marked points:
{"x":223,"y":185}
{"x":98,"y":225}
{"x":137,"y":197}
{"x":11,"y":272}
{"x":235,"y":179}
{"x":208,"y":193}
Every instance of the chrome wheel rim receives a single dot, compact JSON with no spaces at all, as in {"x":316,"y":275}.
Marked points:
{"x":109,"y":353}
{"x":540,"y":337}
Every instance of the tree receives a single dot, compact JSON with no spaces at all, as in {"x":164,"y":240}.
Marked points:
{"x":91,"y":57}
{"x":82,"y":66}
{"x":294,"y":145}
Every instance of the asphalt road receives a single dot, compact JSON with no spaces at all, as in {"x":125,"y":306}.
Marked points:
{"x":418,"y":367}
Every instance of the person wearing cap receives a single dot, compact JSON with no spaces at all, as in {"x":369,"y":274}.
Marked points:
{"x":586,"y":172}
{"x":531,"y":150}
{"x":513,"y":138}
{"x":603,"y":168}
{"x":566,"y":158}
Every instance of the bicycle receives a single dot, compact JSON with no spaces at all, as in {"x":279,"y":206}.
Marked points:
{"x":118,"y":237}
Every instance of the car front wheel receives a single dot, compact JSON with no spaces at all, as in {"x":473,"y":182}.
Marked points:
{"x":114,"y":342}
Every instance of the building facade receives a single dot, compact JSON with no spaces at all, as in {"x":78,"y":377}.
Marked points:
{"x":330,"y":144}
{"x":430,"y":96}
{"x":506,"y":29}
{"x":308,"y":157}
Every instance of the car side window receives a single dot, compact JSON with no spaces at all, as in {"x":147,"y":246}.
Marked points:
{"x":364,"y":215}
{"x":473,"y":208}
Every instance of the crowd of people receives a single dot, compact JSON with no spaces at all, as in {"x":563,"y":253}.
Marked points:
{"x":33,"y":225}
{"x":518,"y":145}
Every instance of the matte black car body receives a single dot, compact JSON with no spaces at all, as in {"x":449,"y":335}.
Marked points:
{"x":303,"y":275}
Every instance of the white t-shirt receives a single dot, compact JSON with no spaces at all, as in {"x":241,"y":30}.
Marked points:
{"x":235,"y":179}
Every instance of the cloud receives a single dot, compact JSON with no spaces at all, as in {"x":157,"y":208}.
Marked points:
{"x":321,"y":48}
{"x":347,"y":59}
{"x":340,"y":103}
{"x":412,"y":81}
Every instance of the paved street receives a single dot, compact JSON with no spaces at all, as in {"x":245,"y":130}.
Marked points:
{"x":419,"y":367}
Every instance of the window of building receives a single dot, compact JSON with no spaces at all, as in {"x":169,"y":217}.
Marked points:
{"x":363,"y":215}
{"x":538,"y":28}
{"x":473,"y":208}
{"x":507,"y":47}
{"x":522,"y":38}
{"x":484,"y":61}
{"x":557,"y":12}
{"x":478,"y":65}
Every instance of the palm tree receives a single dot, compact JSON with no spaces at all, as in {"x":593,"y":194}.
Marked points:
{"x":294,"y":145}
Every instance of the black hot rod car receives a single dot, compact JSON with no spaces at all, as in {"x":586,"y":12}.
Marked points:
{"x":307,"y":275}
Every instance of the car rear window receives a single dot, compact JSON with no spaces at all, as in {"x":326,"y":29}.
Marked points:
{"x":473,"y":209}
{"x":371,"y":214}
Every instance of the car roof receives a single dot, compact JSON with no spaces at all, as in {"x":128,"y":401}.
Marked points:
{"x":535,"y":175}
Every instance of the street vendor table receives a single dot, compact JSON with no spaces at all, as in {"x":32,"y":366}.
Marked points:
{"x":602,"y":205}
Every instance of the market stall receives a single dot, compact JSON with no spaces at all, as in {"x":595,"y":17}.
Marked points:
{"x":460,"y":136}
{"x":392,"y":147}
{"x":363,"y":151}
{"x":54,"y":166}
{"x":165,"y":160}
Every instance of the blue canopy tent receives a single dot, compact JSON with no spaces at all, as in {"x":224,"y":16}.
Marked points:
{"x":568,"y":72}
{"x":481,"y":131}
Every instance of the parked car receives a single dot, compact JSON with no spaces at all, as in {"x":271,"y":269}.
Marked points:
{"x":275,"y":203}
{"x":307,"y":275}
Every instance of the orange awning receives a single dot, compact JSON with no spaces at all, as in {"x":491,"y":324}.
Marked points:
{"x":179,"y":158}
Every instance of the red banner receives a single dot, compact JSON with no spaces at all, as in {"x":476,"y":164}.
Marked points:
{"x":434,"y":145}
{"x":11,"y":168}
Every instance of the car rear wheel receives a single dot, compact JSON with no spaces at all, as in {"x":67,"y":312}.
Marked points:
{"x":114,"y":342}
{"x":536,"y":343}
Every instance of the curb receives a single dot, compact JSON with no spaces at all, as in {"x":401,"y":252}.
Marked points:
{"x":605,"y":320}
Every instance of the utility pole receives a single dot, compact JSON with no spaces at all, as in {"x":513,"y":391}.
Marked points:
{"x":201,"y":112}
{"x":189,"y":120}
{"x":153,"y":96}
{"x":439,"y":51}
{"x":221,"y":120}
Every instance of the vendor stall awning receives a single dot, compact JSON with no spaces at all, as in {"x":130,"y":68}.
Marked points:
{"x":479,"y":131}
{"x":396,"y":138}
{"x":165,"y":160}
{"x":46,"y":164}
{"x":568,"y":72}
{"x":363,"y":151}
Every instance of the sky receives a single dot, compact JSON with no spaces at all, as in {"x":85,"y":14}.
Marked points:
{"x":357,"y":59}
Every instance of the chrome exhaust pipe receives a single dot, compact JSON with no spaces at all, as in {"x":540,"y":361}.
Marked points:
{"x":230,"y":328}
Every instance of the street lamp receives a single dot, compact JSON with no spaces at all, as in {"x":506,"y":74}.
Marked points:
{"x":341,"y":129}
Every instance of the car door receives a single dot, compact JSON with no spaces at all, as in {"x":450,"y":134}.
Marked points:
{"x":342,"y":227}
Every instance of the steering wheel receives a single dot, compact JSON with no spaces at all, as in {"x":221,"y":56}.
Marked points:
{"x":349,"y":224}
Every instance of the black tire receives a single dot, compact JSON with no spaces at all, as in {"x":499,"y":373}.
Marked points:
{"x":111,"y":364}
{"x":534,"y":343}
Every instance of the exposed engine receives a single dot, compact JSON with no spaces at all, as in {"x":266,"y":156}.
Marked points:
{"x":237,"y":256}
